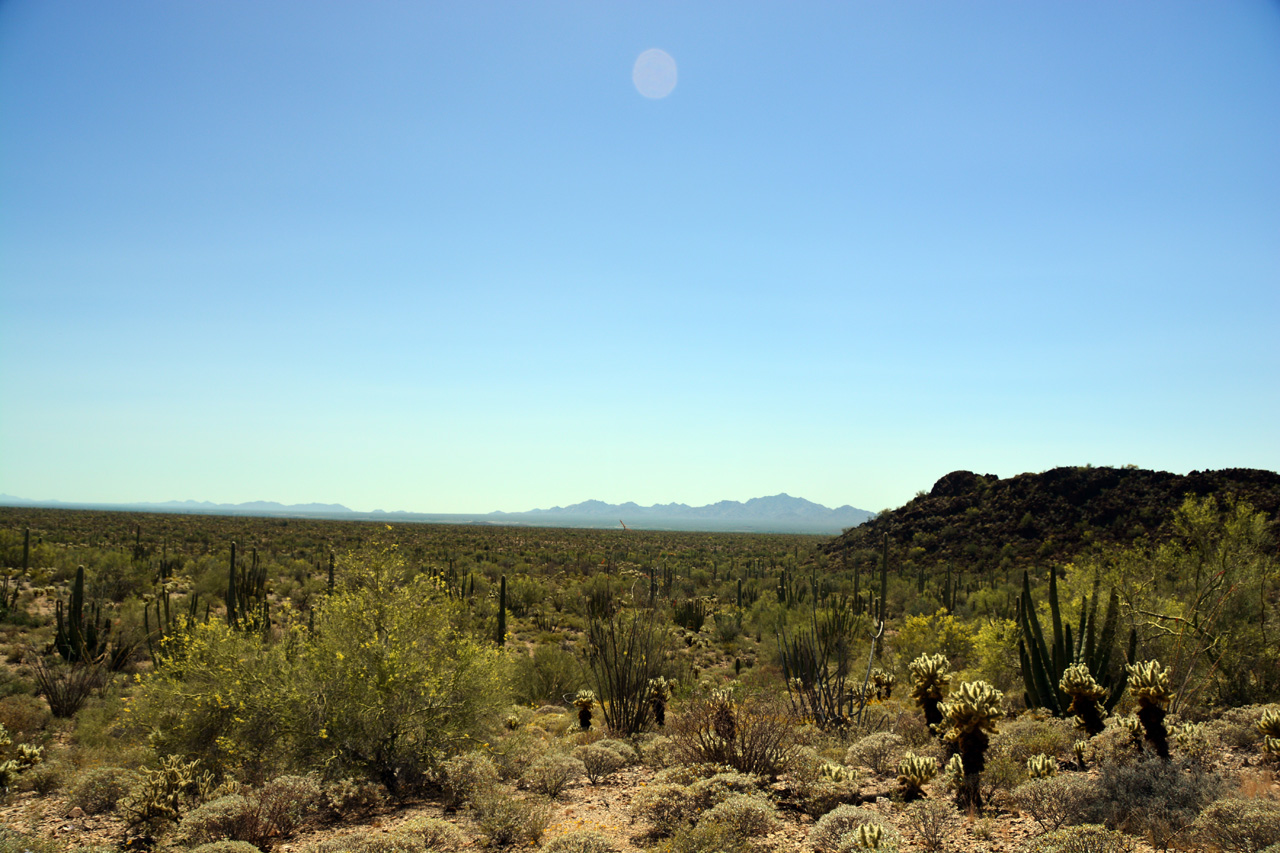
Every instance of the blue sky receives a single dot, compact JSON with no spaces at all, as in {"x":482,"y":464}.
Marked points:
{"x":444,"y":257}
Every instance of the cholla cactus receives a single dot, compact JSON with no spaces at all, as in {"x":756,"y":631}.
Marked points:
{"x":1085,"y":692}
{"x":970,"y":715}
{"x":659,"y":695}
{"x":953,"y":774}
{"x":838,"y":773}
{"x":724,"y":715}
{"x":1269,"y":727}
{"x":914,"y":772}
{"x":932,"y":676}
{"x":1149,"y":683}
{"x":1041,"y":766}
{"x":866,"y":837}
{"x":883,"y":683}
{"x":584,"y":702}
{"x":1079,"y":748}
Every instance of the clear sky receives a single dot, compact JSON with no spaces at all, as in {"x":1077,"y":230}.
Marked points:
{"x":446,"y":257}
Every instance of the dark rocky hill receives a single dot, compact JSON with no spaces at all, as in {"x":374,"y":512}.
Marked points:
{"x":979,"y":519}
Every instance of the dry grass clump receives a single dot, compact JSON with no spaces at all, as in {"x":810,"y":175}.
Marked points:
{"x":465,"y":776}
{"x":506,"y":818}
{"x":598,"y":761}
{"x":745,"y":815}
{"x":666,"y":806}
{"x":552,"y":773}
{"x":436,"y":834}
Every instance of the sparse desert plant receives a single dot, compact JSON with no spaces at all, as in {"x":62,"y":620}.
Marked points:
{"x":100,"y":789}
{"x":1054,"y":801}
{"x":1154,"y":797}
{"x":818,"y":785}
{"x":507,"y":818}
{"x":831,"y":828}
{"x":580,"y":841}
{"x":550,"y":774}
{"x":929,"y":819}
{"x":226,"y":846}
{"x":752,"y":734}
{"x":436,"y":834}
{"x":712,"y":790}
{"x":878,"y":751}
{"x":165,"y":794}
{"x":466,"y":776}
{"x":351,"y":799}
{"x":1088,"y":838}
{"x":372,"y":841}
{"x":746,"y":816}
{"x":1238,"y":825}
{"x":598,"y":762}
{"x":46,"y":777}
{"x":703,"y":838}
{"x":666,"y":806}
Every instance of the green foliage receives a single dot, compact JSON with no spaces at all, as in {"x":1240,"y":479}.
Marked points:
{"x":625,"y":652}
{"x":1154,"y":797}
{"x":551,"y":773}
{"x":1089,"y":838}
{"x":163,"y":795}
{"x":752,"y":734}
{"x":817,"y":784}
{"x":828,"y":834}
{"x":436,"y":834}
{"x":818,"y":663}
{"x":1054,"y":801}
{"x":666,"y":806}
{"x":941,"y":632}
{"x":598,"y":762}
{"x":745,"y":816}
{"x":1045,"y":664}
{"x":507,"y":818}
{"x":1239,"y":825}
{"x":704,"y":838}
{"x":100,"y":789}
{"x":580,"y":841}
{"x":465,"y":777}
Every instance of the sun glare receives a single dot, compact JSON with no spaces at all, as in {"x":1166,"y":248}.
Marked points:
{"x":654,"y":73}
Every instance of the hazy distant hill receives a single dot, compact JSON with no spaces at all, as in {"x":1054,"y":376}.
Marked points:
{"x":979,"y":519}
{"x":247,"y":508}
{"x":775,"y":513}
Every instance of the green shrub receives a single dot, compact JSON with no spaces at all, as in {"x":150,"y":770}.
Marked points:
{"x":100,"y":790}
{"x":879,"y":752}
{"x":1238,"y":825}
{"x":226,"y":847}
{"x":625,"y":751}
{"x":231,"y":818}
{"x":746,"y":816}
{"x":598,"y":762}
{"x":667,"y":807}
{"x":436,"y":833}
{"x":1089,"y":838}
{"x":351,"y":799}
{"x":24,"y":716}
{"x":1153,"y":797}
{"x":372,"y":842}
{"x":552,"y":772}
{"x":517,"y":752}
{"x":506,"y":818}
{"x":466,"y":776}
{"x":580,"y":841}
{"x":45,"y":778}
{"x":703,"y":838}
{"x":754,"y":734}
{"x":828,"y":833}
{"x":1054,"y":801}
{"x":712,"y":790}
{"x":816,"y":787}
{"x":165,"y":794}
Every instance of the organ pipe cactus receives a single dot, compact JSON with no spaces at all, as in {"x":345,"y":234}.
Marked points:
{"x":970,"y":715}
{"x":914,"y":772}
{"x":1045,"y":660}
{"x":932,"y":677}
{"x":1269,"y":727}
{"x":1149,"y":683}
{"x":1078,"y":683}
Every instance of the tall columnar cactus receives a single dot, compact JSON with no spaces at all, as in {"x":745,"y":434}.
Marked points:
{"x":79,"y":638}
{"x":1044,"y":663}
{"x":502,"y":612}
{"x":914,"y":772}
{"x":1269,"y":727}
{"x":1078,"y":683}
{"x":970,"y":715}
{"x":584,"y":702}
{"x":1149,"y":683}
{"x":247,"y":594}
{"x":932,"y":677}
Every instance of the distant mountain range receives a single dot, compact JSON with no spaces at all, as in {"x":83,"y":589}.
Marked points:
{"x":776,"y":514}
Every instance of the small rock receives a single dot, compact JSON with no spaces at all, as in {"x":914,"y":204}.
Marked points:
{"x":77,"y":812}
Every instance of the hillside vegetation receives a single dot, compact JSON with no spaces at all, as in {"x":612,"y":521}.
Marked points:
{"x":231,"y":685}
